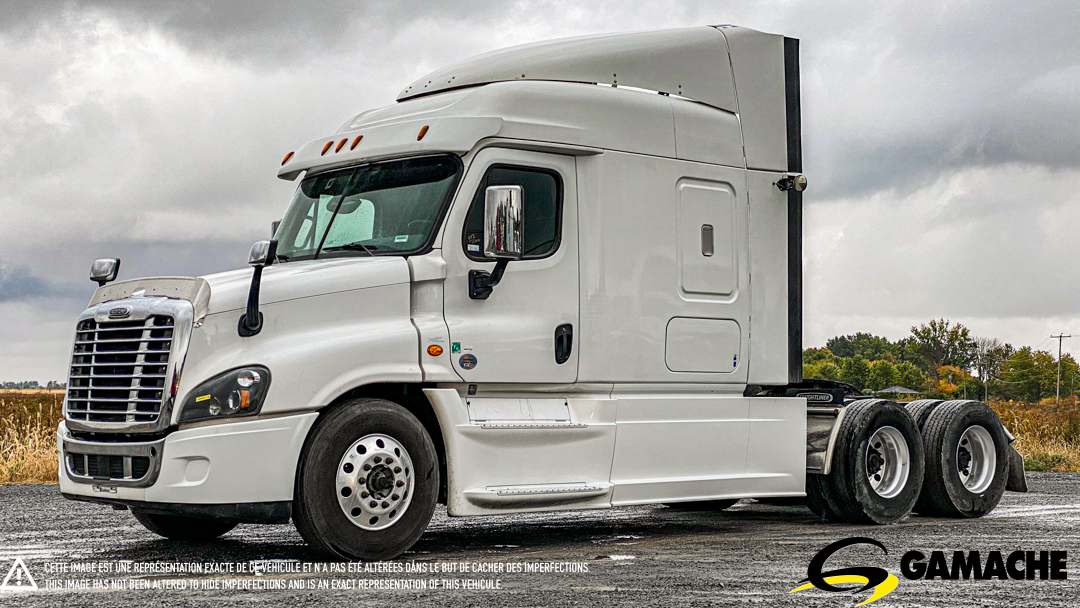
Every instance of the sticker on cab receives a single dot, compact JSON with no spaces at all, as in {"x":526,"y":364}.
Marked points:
{"x":467,"y":361}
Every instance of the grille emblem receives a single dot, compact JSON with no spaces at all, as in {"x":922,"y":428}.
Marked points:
{"x":119,"y":312}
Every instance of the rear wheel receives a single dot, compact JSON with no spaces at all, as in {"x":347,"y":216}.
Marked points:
{"x":368,"y":481}
{"x":177,"y":527}
{"x":968,"y":460}
{"x":877,"y":465}
{"x":920,"y":410}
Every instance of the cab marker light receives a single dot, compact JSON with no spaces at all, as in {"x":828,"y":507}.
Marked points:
{"x":287,"y":157}
{"x":355,"y":142}
{"x":423,"y":132}
{"x":341,"y":144}
{"x":327,"y":146}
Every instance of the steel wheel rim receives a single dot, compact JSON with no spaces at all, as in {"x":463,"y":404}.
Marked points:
{"x":375,"y":482}
{"x":976,"y":459}
{"x":888,"y":462}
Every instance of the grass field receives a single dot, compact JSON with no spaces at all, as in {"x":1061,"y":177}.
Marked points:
{"x":28,"y":436}
{"x":1047,"y":435}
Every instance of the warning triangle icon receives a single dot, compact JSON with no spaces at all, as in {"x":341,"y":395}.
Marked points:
{"x":18,"y":578}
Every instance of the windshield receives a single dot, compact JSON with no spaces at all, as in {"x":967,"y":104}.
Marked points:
{"x":389,"y":208}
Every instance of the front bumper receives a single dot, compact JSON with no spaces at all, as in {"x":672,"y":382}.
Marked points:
{"x":235,"y":463}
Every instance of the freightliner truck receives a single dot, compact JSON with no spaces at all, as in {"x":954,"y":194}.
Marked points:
{"x":565,"y":275}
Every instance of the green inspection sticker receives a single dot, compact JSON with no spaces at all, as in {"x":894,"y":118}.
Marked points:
{"x":455,"y":347}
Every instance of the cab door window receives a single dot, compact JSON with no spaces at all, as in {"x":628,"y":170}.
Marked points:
{"x":543,"y":210}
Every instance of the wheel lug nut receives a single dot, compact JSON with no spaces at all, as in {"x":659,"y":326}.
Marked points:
{"x":397,"y":469}
{"x":373,"y":504}
{"x":389,"y":461}
{"x":378,"y":459}
{"x":385,"y":504}
{"x":400,"y":483}
{"x":363,"y":494}
{"x":395,"y":497}
{"x":367,"y":467}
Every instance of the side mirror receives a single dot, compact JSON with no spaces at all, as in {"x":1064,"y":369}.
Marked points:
{"x":504,"y":222}
{"x":504,"y":219}
{"x":105,"y":270}
{"x":261,"y":253}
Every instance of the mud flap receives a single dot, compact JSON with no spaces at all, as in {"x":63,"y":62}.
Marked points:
{"x":1017,"y":479}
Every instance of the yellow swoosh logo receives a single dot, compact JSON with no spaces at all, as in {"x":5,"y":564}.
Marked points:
{"x":880,"y":591}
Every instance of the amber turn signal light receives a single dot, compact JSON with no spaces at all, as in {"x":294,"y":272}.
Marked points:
{"x":434,"y":350}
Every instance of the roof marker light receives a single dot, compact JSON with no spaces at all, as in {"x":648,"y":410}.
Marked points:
{"x":327,"y":146}
{"x":422,"y":133}
{"x":287,"y":157}
{"x":356,"y":142}
{"x":340,"y":145}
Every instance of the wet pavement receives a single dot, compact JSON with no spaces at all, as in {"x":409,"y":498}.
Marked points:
{"x":752,"y":554}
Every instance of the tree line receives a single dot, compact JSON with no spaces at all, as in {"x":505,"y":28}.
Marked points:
{"x":943,"y":360}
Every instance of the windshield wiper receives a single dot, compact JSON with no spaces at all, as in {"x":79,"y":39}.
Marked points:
{"x":357,"y":246}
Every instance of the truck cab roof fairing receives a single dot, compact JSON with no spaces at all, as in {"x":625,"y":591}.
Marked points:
{"x":669,"y":61}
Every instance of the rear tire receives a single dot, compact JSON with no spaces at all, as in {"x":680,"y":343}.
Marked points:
{"x":815,"y":498}
{"x":877,"y":464}
{"x":176,"y":527}
{"x":920,"y":410}
{"x":367,"y":482}
{"x":967,"y":466}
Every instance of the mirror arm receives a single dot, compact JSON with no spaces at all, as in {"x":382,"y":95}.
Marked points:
{"x":481,"y":282}
{"x":251,"y":322}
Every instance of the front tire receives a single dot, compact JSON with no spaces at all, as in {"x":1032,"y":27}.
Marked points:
{"x":877,"y":465}
{"x":968,"y":464}
{"x":367,"y":482}
{"x":176,"y":527}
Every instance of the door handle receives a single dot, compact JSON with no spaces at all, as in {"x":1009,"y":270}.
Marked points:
{"x":564,"y":342}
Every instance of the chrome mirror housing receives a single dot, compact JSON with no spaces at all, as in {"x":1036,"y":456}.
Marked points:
{"x":104,"y":270}
{"x":260,"y":254}
{"x":504,"y":219}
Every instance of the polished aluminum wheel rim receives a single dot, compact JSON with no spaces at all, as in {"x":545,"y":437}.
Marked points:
{"x":976,"y":459}
{"x":375,"y":482}
{"x":888,"y":462}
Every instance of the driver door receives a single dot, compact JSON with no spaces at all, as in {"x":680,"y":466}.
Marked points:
{"x":513,"y":335}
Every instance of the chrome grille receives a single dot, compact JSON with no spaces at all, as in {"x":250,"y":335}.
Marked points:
{"x":119,"y":370}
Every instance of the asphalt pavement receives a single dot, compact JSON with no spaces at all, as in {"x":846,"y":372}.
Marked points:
{"x":753,"y":554}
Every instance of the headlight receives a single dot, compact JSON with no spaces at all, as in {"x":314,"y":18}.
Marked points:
{"x":239,"y":392}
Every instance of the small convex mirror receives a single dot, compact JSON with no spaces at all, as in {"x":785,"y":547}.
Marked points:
{"x":261,"y":253}
{"x":504,"y":211}
{"x":105,"y":270}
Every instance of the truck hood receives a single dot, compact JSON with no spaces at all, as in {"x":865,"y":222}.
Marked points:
{"x":295,"y":280}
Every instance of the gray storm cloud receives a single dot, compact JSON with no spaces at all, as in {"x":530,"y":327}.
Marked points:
{"x":940,"y":142}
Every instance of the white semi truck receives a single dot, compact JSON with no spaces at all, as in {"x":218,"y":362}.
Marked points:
{"x":565,"y":275}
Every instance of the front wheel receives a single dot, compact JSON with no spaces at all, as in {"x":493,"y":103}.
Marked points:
{"x":176,"y":527}
{"x":368,"y":481}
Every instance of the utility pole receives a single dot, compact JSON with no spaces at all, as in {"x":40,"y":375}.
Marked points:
{"x":1060,"y":337}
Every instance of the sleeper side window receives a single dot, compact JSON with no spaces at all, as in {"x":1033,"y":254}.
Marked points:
{"x":543,"y":210}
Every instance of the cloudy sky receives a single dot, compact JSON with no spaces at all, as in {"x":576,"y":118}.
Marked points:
{"x":942,"y":143}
